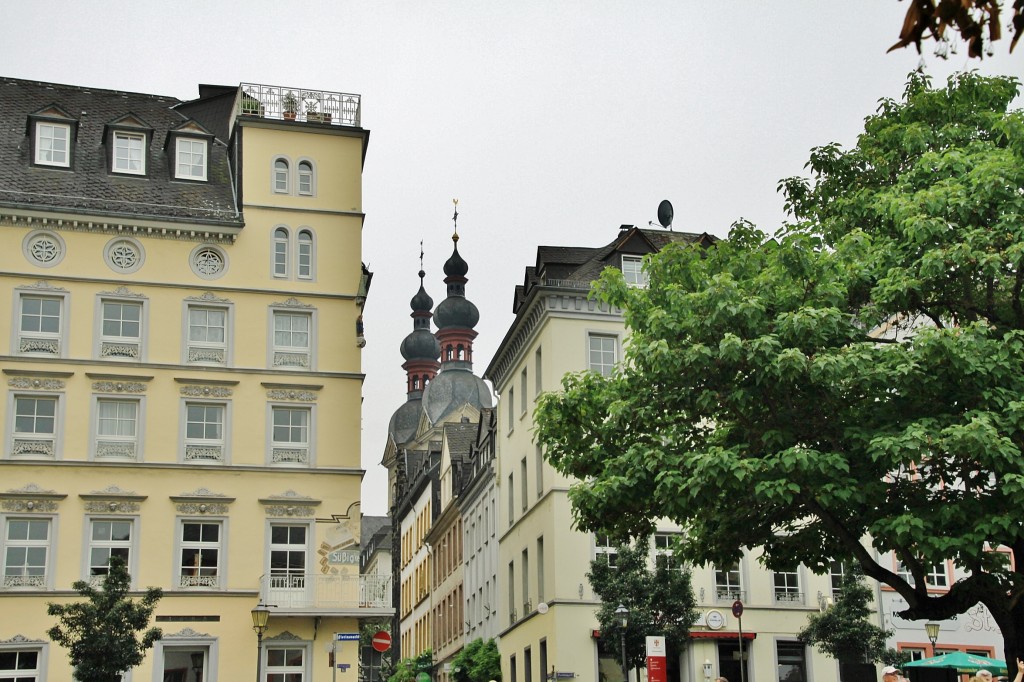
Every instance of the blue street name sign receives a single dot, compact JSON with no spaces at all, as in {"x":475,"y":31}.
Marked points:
{"x":346,"y":636}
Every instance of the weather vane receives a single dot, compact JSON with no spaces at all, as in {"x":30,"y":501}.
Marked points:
{"x":422,"y":273}
{"x":455,"y":220}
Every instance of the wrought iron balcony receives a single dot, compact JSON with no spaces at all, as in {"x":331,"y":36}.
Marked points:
{"x":299,"y":104}
{"x":319,"y":592}
{"x":787,"y":597}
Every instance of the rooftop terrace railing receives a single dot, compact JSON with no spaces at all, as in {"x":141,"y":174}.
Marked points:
{"x":300,"y":104}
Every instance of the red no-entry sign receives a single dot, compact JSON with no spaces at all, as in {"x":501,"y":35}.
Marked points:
{"x":381,"y":641}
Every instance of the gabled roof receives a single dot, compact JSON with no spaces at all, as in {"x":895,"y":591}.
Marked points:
{"x":86,"y":187}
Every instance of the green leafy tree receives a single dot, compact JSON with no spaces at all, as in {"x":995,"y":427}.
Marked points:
{"x":102,"y":633}
{"x":844,"y":631}
{"x":408,"y":668}
{"x":479,"y":661}
{"x":660,"y":601}
{"x":855,"y":381}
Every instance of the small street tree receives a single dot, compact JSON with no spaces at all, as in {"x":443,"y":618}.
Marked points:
{"x":408,"y":668}
{"x":844,"y":631}
{"x":479,"y":661}
{"x":102,"y":632}
{"x":660,"y":601}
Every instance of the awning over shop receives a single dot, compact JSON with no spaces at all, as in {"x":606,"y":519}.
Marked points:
{"x":721,"y":634}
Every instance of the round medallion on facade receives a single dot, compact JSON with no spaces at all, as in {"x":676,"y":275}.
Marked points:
{"x":124,"y":255}
{"x":44,"y":249}
{"x":208,"y":261}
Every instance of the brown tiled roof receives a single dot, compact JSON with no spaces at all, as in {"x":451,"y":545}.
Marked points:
{"x":87,"y":187}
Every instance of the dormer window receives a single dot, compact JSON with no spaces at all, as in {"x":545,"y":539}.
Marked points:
{"x":129,"y":154}
{"x":53,"y":144}
{"x":633,"y":271}
{"x":191,"y":159}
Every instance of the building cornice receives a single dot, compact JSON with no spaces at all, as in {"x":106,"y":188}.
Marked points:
{"x":187,"y":229}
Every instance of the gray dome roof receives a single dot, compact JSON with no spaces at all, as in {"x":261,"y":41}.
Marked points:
{"x":404,"y":421}
{"x":451,"y":389}
{"x":456,"y":266}
{"x":421,"y":302}
{"x":456,"y":312}
{"x":420,"y":344}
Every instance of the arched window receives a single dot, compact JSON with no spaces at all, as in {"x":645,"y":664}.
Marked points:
{"x":280,"y":252}
{"x":304,"y":269}
{"x":281,"y":176}
{"x":461,"y":353}
{"x":306,"y":179}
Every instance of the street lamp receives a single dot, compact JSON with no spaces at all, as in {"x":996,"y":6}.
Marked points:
{"x":623,"y":613}
{"x":933,"y":633}
{"x":260,"y":616}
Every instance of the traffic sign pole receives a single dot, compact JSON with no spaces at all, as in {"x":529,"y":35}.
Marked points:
{"x":737,"y":610}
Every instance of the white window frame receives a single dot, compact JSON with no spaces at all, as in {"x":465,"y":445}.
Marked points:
{"x":286,"y":452}
{"x":116,"y":447}
{"x":289,"y":580}
{"x":310,"y":176}
{"x":633,"y":270}
{"x":90,"y":544}
{"x":281,"y":176}
{"x":206,"y":352}
{"x":203,"y":450}
{"x":285,"y":671}
{"x":938,"y":576}
{"x":787,"y":587}
{"x":284,"y":356}
{"x":22,"y":581}
{"x":725,"y":589}
{"x":203,"y":581}
{"x":39,"y":343}
{"x":116,"y":160}
{"x":39,"y":648}
{"x":305,"y":249}
{"x":34,"y":444}
{"x":604,"y":547}
{"x":187,"y":146}
{"x":44,"y":150}
{"x":601,"y":367}
{"x":280,"y":250}
{"x":118,"y":347}
{"x":190,"y":641}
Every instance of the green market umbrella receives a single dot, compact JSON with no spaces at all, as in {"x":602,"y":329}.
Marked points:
{"x":964,"y":663}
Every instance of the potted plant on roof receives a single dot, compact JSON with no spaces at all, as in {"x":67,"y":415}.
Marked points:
{"x":289,"y":105}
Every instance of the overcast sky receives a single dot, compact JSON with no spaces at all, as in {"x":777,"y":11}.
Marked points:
{"x":551,"y":122}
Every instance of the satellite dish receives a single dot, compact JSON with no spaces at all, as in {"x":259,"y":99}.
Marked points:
{"x":665,"y":213}
{"x":542,"y":608}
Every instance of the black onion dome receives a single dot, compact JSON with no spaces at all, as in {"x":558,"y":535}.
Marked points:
{"x":455,"y":266}
{"x":456,"y":312}
{"x":421,"y":345}
{"x":421,"y":302}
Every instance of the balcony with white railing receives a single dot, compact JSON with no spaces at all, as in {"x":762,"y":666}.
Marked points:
{"x":285,"y":103}
{"x":316,"y":593}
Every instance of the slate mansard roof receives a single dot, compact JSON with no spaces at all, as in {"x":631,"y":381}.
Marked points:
{"x":87,"y":188}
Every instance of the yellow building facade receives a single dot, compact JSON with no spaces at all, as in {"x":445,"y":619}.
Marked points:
{"x":183,"y":289}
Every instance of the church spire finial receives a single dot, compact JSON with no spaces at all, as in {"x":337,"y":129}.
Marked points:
{"x":422,"y":273}
{"x":455,"y":221}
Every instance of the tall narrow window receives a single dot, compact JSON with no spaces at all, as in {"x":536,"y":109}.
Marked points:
{"x":280,"y":252}
{"x":836,"y":572}
{"x":522,"y":484}
{"x":539,"y":459}
{"x":26,"y":552}
{"x":288,"y":548}
{"x":602,"y":353}
{"x":304,"y":266}
{"x":511,"y":407}
{"x":108,"y":538}
{"x":290,"y":438}
{"x":200,"y":554}
{"x":540,"y":570}
{"x":52,"y":144}
{"x":606,"y":550}
{"x":128,"y":153}
{"x":117,"y":429}
{"x":792,"y":661}
{"x":511,"y":499}
{"x":787,"y":586}
{"x":537,"y":365}
{"x":191,"y":159}
{"x":305,"y":177}
{"x":522,"y":392}
{"x":281,"y":173}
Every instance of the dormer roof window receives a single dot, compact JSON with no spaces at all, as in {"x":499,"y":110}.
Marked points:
{"x":52,"y":132}
{"x":189,"y":145}
{"x":127,"y":139}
